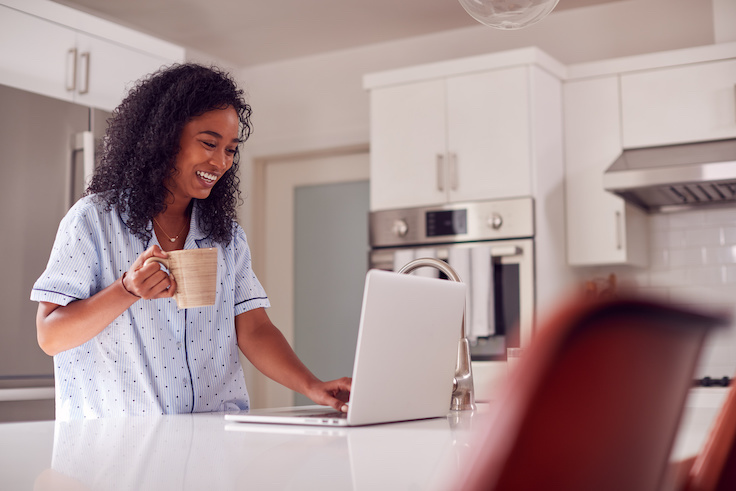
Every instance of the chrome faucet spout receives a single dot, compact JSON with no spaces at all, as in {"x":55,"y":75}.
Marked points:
{"x":463,"y":394}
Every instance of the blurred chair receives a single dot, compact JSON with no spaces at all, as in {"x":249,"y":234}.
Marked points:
{"x":596,"y":401}
{"x":714,"y":468}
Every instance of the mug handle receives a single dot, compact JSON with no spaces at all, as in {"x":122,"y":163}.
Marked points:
{"x":163,"y":261}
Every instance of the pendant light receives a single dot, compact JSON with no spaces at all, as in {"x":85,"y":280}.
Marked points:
{"x":508,"y":14}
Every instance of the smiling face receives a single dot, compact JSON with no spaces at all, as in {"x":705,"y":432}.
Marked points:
{"x":207,"y":147}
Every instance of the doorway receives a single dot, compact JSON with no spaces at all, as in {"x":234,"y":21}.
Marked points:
{"x":311,"y":256}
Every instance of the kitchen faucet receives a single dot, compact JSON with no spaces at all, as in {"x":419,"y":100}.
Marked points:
{"x":463,"y":395}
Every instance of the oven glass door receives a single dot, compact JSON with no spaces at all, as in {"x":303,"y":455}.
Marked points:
{"x":500,"y":279}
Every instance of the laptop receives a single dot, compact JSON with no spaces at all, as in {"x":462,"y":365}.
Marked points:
{"x":405,"y":356}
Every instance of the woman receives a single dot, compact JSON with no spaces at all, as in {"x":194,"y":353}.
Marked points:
{"x":167,"y":180}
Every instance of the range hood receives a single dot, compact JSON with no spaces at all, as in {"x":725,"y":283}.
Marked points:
{"x":675,"y":177}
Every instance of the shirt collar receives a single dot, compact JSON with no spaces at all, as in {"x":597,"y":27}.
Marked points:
{"x":196,"y":238}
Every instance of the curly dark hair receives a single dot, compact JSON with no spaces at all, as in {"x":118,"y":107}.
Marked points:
{"x":142,"y":141}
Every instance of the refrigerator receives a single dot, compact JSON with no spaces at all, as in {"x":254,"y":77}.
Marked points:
{"x":47,"y":153}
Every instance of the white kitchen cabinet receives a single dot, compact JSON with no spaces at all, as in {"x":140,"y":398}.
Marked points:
{"x":601,"y":227}
{"x":478,"y":128}
{"x":47,"y":57}
{"x":106,"y":70}
{"x":456,"y":138}
{"x":489,"y":134}
{"x":692,"y":102}
{"x":408,"y":145}
{"x":34,"y":53}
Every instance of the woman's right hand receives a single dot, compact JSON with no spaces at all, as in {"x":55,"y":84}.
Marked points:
{"x":60,"y":328}
{"x":149,"y":281}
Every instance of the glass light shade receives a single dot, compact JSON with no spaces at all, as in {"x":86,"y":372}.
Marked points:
{"x":508,"y":14}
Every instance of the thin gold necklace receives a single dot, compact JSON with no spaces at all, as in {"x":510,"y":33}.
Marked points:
{"x":172,"y":239}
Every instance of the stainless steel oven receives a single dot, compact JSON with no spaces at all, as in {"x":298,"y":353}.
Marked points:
{"x":491,"y":246}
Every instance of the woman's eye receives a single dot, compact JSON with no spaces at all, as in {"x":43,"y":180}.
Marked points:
{"x":232,"y":151}
{"x":208,"y":144}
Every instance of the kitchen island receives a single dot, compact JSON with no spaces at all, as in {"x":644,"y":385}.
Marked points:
{"x":203,"y":451}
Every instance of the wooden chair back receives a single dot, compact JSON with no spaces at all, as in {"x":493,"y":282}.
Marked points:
{"x":714,"y":468}
{"x":596,"y":401}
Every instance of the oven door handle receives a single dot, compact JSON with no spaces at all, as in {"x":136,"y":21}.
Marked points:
{"x":505,"y":251}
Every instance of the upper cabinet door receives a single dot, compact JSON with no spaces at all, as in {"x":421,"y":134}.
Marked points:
{"x":459,"y":138}
{"x":45,"y":57}
{"x":106,"y":71}
{"x":678,"y":105}
{"x":408,"y":142}
{"x":489,"y":135}
{"x":601,"y":228}
{"x":36,"y":54}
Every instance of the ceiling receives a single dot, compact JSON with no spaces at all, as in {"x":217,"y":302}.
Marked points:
{"x":250,"y":32}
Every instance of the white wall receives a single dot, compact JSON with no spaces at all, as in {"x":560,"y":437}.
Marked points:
{"x":724,"y":20}
{"x":318,"y":102}
{"x":692,"y":263}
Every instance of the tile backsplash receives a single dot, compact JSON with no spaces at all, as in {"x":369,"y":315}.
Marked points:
{"x":692,"y":262}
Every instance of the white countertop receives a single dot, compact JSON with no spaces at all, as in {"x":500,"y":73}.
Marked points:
{"x":203,"y":451}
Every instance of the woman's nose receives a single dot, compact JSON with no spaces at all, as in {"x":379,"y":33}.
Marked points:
{"x":220,"y":160}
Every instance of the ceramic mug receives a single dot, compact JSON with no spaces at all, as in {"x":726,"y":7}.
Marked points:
{"x":195,"y":273}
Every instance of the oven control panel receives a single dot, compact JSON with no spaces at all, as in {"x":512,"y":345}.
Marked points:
{"x":456,"y":222}
{"x":446,"y":222}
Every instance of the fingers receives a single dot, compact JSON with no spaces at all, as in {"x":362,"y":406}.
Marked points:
{"x":338,"y":393}
{"x":153,"y":251}
{"x":155,"y":282}
{"x":149,"y":281}
{"x":171,"y":291}
{"x":341,"y":387}
{"x":337,"y":404}
{"x":341,"y":406}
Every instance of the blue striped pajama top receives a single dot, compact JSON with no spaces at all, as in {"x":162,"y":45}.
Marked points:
{"x":154,"y":358}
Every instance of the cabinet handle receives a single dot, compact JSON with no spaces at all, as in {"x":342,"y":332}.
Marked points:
{"x":84,"y":142}
{"x":85,"y":64}
{"x":71,"y":73}
{"x":619,"y":231}
{"x":440,"y":172}
{"x":453,"y":172}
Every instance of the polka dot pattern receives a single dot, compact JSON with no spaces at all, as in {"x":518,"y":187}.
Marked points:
{"x":154,"y":358}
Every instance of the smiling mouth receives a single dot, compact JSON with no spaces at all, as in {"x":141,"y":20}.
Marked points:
{"x":210,"y":178}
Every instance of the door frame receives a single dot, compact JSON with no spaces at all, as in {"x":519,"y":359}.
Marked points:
{"x":273,"y":246}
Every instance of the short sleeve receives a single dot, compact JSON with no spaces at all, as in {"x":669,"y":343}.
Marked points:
{"x":73,"y":270}
{"x":249,"y":294}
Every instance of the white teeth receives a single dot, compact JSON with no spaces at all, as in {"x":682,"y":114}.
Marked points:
{"x":206,"y":175}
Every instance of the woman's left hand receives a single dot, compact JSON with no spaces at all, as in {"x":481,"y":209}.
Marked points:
{"x":267,"y":349}
{"x":334,"y":393}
